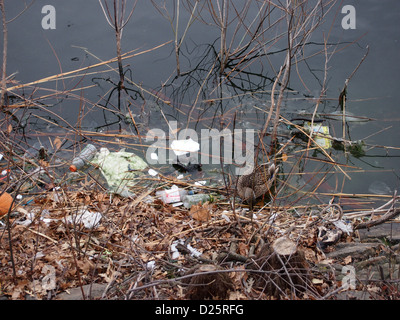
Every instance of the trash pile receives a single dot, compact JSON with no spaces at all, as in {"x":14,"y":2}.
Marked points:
{"x":129,"y":227}
{"x":306,"y":127}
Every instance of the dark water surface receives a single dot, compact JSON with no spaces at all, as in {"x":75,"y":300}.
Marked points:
{"x":36,"y":53}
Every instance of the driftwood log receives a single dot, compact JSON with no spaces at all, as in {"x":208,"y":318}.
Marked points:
{"x":282,"y":270}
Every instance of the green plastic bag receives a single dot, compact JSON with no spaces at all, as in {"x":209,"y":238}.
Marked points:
{"x":121,"y":169}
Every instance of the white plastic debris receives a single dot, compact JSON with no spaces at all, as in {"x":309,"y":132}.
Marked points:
{"x":273,"y":218}
{"x":193,"y":251}
{"x":56,"y":197}
{"x":177,"y":204}
{"x":342,"y":225}
{"x":88,"y":218}
{"x":225,"y":216}
{"x":174,"y":250}
{"x":172,"y":195}
{"x":151,"y":265}
{"x":182,"y":147}
{"x":153,"y":172}
{"x":154,"y":156}
{"x":27,"y":219}
{"x":39,"y":255}
{"x":175,"y":253}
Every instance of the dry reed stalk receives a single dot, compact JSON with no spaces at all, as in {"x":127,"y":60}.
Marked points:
{"x":117,"y":21}
{"x":4,"y":67}
{"x":178,"y":40}
{"x":126,"y":55}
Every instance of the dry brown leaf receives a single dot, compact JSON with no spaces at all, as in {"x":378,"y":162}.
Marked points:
{"x":237,"y":295}
{"x":57,"y":143}
{"x":85,"y":266}
{"x":170,"y":220}
{"x":43,"y":163}
{"x":310,"y":255}
{"x":200,"y":213}
{"x":102,"y":197}
{"x":243,"y":248}
{"x":347,"y":260}
{"x":49,"y":280}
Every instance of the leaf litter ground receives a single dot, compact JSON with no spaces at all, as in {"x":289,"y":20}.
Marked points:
{"x":142,"y":249}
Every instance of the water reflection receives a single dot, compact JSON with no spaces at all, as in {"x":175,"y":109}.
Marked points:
{"x":217,"y":72}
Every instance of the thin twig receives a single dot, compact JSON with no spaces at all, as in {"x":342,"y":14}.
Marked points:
{"x":5,"y":41}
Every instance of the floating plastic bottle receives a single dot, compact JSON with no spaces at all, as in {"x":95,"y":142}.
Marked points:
{"x":189,"y":200}
{"x":83,"y":157}
{"x":172,"y":195}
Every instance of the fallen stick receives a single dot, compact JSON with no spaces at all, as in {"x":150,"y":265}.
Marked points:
{"x":387,"y":216}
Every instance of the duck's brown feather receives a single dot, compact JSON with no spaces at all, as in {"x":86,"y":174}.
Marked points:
{"x":257,"y":183}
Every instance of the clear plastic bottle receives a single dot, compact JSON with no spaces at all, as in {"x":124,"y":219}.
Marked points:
{"x":189,"y":200}
{"x":83,"y":157}
{"x":172,"y":195}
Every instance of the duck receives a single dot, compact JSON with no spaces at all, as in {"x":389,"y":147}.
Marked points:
{"x":257,"y":183}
